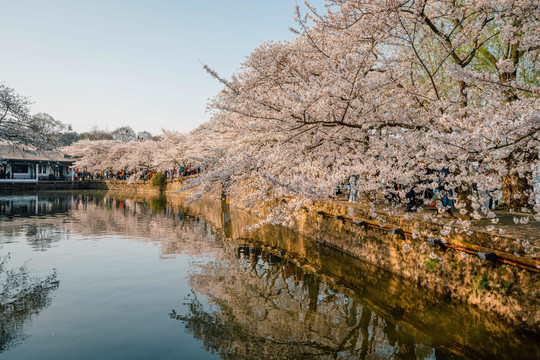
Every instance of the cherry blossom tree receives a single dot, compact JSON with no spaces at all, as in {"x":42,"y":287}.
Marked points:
{"x":169,"y":151}
{"x":136,"y":156}
{"x":92,"y":155}
{"x":387,"y":91}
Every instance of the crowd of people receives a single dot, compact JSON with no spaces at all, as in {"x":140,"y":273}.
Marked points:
{"x":83,"y":175}
{"x":423,"y":193}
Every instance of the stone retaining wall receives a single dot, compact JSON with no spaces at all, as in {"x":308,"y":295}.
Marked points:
{"x":506,"y":290}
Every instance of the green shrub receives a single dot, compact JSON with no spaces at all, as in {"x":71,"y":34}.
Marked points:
{"x":158,"y":180}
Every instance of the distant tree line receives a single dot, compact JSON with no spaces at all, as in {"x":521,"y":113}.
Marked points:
{"x":121,"y":134}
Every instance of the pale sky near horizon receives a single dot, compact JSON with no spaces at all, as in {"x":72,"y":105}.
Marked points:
{"x":112,"y":63}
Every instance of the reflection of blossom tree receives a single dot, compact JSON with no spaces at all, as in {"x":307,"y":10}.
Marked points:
{"x":22,"y":295}
{"x":263,"y":304}
{"x":222,"y":333}
{"x":268,"y":307}
{"x":149,"y":219}
{"x":41,"y":236}
{"x":35,"y":217}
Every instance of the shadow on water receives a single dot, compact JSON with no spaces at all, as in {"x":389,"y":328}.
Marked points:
{"x":273,"y":294}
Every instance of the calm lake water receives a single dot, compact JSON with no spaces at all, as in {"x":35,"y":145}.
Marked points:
{"x":107,"y":276}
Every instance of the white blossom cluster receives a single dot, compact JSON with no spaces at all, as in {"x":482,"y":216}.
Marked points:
{"x":96,"y":156}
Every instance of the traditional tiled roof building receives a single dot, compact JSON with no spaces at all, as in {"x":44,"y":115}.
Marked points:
{"x":20,"y":164}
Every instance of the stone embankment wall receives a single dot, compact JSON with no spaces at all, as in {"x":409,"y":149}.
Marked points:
{"x":506,"y":290}
{"x":7,"y":187}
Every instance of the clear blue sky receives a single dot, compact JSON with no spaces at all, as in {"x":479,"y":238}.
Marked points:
{"x":110,"y":63}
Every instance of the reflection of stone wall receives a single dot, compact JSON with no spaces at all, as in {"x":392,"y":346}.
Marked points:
{"x":504,"y":290}
{"x":269,"y":297}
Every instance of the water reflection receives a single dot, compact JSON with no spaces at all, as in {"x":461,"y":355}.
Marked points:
{"x":268,"y":294}
{"x":35,"y":217}
{"x":22,"y":296}
{"x":34,"y":205}
{"x":271,"y":307}
{"x":301,"y":299}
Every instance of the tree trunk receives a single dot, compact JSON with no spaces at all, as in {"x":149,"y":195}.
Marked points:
{"x":516,"y":191}
{"x":463,"y":198}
